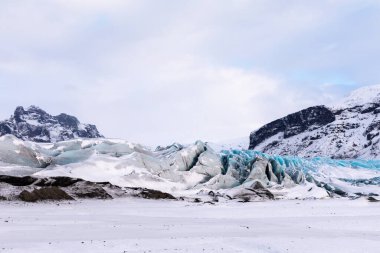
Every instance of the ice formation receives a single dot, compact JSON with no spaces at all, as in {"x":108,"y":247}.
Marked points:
{"x":192,"y":169}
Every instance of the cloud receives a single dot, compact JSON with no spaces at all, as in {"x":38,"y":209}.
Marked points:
{"x":184,"y":100}
{"x":163,"y":71}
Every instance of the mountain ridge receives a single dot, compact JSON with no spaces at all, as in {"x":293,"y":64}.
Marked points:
{"x":349,"y":129}
{"x":35,"y":124}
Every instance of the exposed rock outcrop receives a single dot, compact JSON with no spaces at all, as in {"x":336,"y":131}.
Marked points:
{"x":33,"y":189}
{"x":151,"y":194}
{"x":46,"y":193}
{"x":293,"y":124}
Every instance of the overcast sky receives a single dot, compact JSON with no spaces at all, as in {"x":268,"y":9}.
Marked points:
{"x":156,"y":71}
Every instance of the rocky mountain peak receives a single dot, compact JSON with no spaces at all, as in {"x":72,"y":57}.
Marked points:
{"x":31,"y":113}
{"x":35,"y":124}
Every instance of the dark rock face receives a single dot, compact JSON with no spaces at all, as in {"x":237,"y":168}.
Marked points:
{"x":34,"y":124}
{"x":57,"y":188}
{"x":261,"y":191}
{"x":348,"y":131}
{"x":27,"y":181}
{"x":254,"y":193}
{"x":152,"y":194}
{"x":47,"y":193}
{"x":293,"y":124}
{"x":89,"y":190}
{"x":372,"y":199}
{"x":17,"y":181}
{"x":33,"y":189}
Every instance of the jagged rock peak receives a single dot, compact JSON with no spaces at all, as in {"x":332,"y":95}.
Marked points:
{"x":35,"y":124}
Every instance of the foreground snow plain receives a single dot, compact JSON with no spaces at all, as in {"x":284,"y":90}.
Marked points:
{"x":135,"y":225}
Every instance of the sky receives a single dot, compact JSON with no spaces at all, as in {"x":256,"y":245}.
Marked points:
{"x":160,"y":71}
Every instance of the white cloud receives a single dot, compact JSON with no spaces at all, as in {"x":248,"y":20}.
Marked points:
{"x":183,"y":100}
{"x":163,"y":71}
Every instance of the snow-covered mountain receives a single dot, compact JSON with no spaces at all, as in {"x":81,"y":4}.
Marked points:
{"x":348,"y":129}
{"x":34,"y":124}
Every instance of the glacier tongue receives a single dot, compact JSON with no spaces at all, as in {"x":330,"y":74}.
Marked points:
{"x":192,"y":169}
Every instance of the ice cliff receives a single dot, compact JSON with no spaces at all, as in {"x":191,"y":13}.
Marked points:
{"x":196,"y":169}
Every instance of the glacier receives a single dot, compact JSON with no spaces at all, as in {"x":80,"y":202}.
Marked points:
{"x":192,"y":170}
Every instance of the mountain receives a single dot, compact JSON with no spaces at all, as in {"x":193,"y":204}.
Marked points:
{"x":34,"y":124}
{"x":349,"y":129}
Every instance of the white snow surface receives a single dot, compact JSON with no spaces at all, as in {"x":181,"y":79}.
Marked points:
{"x":237,"y":143}
{"x":361,"y":96}
{"x":138,"y":226}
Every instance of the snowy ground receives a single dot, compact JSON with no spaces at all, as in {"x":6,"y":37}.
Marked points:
{"x":133,"y":225}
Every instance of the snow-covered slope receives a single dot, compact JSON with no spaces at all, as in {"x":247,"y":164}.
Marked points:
{"x":35,"y":124}
{"x":193,"y":169}
{"x":237,"y":143}
{"x":349,"y":129}
{"x":361,"y":96}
